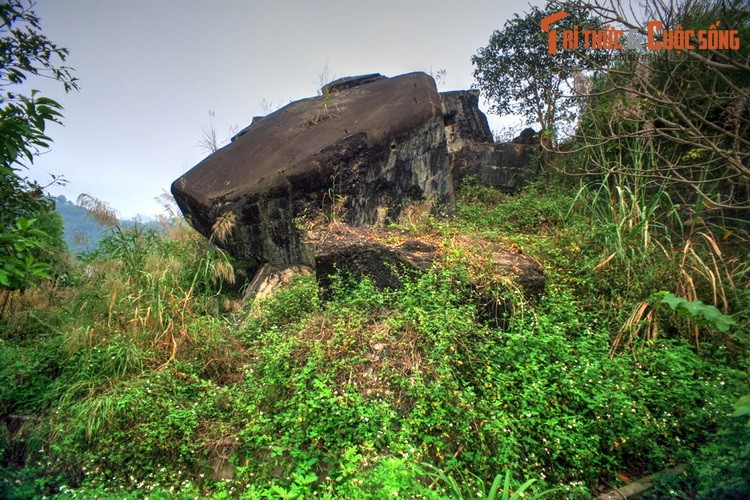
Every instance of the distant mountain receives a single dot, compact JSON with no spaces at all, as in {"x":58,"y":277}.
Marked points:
{"x":81,"y":231}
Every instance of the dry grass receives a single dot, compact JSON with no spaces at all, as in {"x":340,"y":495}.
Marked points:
{"x":712,"y":268}
{"x":642,"y":324}
{"x":705,"y":274}
{"x":98,"y":209}
{"x":223,"y":227}
{"x":16,"y":304}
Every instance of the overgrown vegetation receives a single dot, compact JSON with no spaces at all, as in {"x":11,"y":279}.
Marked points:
{"x":139,"y":370}
{"x":138,"y":376}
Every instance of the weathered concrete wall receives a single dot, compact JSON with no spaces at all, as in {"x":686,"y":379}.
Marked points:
{"x":371,"y":143}
{"x":464,"y":121}
{"x":505,"y":165}
{"x":473,"y":153}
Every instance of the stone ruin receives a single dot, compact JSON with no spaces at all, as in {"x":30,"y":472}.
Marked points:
{"x":364,"y":151}
{"x":473,"y":151}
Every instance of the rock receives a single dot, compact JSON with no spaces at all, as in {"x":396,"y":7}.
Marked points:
{"x":525,"y":271}
{"x":473,"y":153}
{"x":637,"y":489}
{"x":370,"y":145}
{"x":269,"y":279}
{"x":527,"y":136}
{"x":360,"y":252}
{"x":505,"y":165}
{"x":369,"y":150}
{"x":349,"y":82}
{"x":464,"y":122}
{"x":503,"y":278}
{"x":487,"y":260}
{"x":242,"y":132}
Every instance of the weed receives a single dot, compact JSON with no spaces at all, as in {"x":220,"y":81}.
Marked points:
{"x":130,"y":380}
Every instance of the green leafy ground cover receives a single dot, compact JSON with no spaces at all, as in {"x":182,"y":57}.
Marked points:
{"x":138,"y":376}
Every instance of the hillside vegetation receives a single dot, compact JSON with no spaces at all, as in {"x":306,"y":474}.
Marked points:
{"x":140,"y":375}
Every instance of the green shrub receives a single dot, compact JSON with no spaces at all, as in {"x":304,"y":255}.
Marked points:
{"x":723,"y":467}
{"x":528,"y":211}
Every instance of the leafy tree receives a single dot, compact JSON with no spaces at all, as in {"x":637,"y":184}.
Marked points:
{"x":518,"y":75}
{"x":24,"y":51}
{"x":17,"y":246}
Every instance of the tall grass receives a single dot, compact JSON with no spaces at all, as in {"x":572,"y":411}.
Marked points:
{"x":500,"y":489}
{"x":640,"y":226}
{"x":138,"y":306}
{"x":634,"y":214}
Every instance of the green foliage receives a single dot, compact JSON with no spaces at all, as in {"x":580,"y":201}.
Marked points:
{"x":138,"y":380}
{"x":683,"y":103}
{"x":722,"y":468}
{"x":641,"y":238}
{"x":130,"y":246}
{"x":147,"y":375}
{"x":695,"y":309}
{"x":289,"y":305}
{"x":632,"y":215}
{"x":25,"y":378}
{"x":22,"y":127}
{"x":526,"y":399}
{"x":54,"y":251}
{"x":137,"y":428}
{"x":27,"y":51}
{"x":742,"y":407}
{"x":23,"y":118}
{"x":31,"y":250}
{"x":19,"y":268}
{"x":495,"y":491}
{"x":536,"y":209}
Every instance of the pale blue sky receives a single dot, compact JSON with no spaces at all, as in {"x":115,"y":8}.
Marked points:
{"x":150,"y":71}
